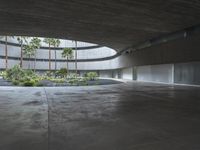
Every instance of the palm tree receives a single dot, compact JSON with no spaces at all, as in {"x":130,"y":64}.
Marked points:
{"x":6,"y":51}
{"x":36,"y":43}
{"x":56,"y":43}
{"x":30,"y":48}
{"x":28,"y":51}
{"x":49,"y":41}
{"x":68,"y":54}
{"x":21,"y":40}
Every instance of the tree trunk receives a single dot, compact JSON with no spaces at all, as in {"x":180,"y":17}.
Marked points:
{"x":67,"y":65}
{"x":6,"y":52}
{"x":49,"y":57}
{"x":76,"y":66}
{"x":21,"y":58}
{"x":55,"y":60}
{"x":35,"y":62}
{"x":29,"y":62}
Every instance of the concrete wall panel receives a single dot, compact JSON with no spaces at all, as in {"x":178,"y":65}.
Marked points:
{"x":187,"y":73}
{"x":101,"y":52}
{"x":105,"y":74}
{"x":127,"y":73}
{"x":156,"y":73}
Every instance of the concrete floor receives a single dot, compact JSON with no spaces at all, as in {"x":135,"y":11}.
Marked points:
{"x":128,"y":116}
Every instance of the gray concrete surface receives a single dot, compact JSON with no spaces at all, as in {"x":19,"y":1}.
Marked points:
{"x":139,"y":116}
{"x":156,"y":73}
{"x":187,"y":73}
{"x":23,"y":119}
{"x":116,"y":24}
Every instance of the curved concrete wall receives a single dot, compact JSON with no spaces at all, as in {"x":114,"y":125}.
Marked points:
{"x":94,"y":65}
{"x":101,"y":52}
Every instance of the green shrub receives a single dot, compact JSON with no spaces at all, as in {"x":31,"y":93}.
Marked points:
{"x":57,"y":80}
{"x":29,"y":72}
{"x":15,"y":82}
{"x":39,"y":84}
{"x":3,"y":74}
{"x":61,"y":73}
{"x":83,"y":81}
{"x":45,"y":78}
{"x":29,"y":83}
{"x":50,"y":73}
{"x":91,"y":75}
{"x":72,"y":76}
{"x":74,"y":81}
{"x":15,"y":73}
{"x":18,"y":76}
{"x":22,"y":77}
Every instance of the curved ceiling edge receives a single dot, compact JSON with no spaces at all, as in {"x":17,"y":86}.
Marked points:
{"x":59,"y":48}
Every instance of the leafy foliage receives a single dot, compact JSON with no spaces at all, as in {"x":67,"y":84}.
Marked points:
{"x":3,"y":74}
{"x":56,"y":42}
{"x":52,"y":42}
{"x":35,"y":42}
{"x":19,"y":76}
{"x":61,"y":73}
{"x":15,"y":73}
{"x":22,"y":39}
{"x":91,"y":75}
{"x":67,"y":53}
{"x":30,"y":48}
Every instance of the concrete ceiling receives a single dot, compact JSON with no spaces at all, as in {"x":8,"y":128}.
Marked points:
{"x":114,"y":23}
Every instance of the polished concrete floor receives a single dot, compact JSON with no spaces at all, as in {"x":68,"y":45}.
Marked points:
{"x":128,"y":116}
